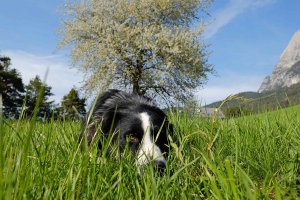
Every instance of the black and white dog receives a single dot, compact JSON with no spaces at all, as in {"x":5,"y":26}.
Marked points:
{"x":137,"y":122}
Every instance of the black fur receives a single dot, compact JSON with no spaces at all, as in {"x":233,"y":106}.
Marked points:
{"x":119,"y":112}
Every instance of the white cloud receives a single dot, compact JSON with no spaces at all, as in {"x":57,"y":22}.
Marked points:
{"x":61,"y":77}
{"x":230,"y":84}
{"x":230,"y":11}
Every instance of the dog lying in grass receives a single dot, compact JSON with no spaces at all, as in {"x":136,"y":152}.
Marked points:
{"x":132,"y":122}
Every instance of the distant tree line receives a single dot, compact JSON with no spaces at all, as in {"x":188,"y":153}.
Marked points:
{"x":24,"y":100}
{"x":236,"y":111}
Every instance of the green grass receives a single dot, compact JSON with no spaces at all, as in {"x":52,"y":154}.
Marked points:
{"x":251,"y":157}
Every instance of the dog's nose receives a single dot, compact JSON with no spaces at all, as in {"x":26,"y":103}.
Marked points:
{"x":160,"y":166}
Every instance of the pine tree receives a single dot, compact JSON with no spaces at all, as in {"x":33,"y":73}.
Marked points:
{"x":33,"y":90}
{"x":11,"y":88}
{"x":71,"y":104}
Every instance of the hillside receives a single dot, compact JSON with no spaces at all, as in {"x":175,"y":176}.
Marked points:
{"x":266,"y":101}
{"x":281,"y":113}
{"x":248,"y":95}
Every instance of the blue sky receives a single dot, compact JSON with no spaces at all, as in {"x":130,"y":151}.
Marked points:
{"x":245,"y":37}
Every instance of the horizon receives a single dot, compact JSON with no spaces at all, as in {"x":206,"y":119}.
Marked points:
{"x":246,"y":38}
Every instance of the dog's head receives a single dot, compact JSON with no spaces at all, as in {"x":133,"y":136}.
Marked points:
{"x":139,"y":126}
{"x":145,"y":133}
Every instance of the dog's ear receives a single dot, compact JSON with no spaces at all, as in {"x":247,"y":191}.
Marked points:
{"x":171,"y":129}
{"x":172,"y":137}
{"x":87,"y":134}
{"x":110,"y":121}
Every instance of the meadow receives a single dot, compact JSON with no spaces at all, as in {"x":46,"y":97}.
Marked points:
{"x":250,"y":157}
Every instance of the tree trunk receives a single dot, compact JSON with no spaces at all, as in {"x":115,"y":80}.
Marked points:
{"x":1,"y":108}
{"x":136,"y":81}
{"x":137,"y":75}
{"x":136,"y":87}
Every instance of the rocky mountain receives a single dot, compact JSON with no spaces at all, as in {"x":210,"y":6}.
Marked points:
{"x":287,"y":70}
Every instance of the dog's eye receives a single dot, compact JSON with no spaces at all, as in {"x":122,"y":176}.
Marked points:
{"x":132,"y":138}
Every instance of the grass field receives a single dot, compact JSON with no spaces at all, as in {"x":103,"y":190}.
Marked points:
{"x":251,"y":157}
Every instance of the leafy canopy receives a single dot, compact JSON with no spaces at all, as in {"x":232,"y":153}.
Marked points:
{"x":151,"y":47}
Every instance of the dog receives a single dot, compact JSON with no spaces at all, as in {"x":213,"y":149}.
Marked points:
{"x":138,"y":124}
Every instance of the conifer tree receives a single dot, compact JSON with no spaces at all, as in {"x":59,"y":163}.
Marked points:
{"x":33,"y":90}
{"x":11,"y":88}
{"x":72,"y":105}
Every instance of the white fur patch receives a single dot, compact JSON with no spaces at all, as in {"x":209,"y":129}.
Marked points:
{"x":148,"y":150}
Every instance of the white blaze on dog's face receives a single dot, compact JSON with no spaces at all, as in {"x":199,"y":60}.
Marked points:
{"x":148,"y":150}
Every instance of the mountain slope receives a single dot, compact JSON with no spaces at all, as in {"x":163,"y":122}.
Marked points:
{"x":286,"y":72}
{"x":266,"y":101}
